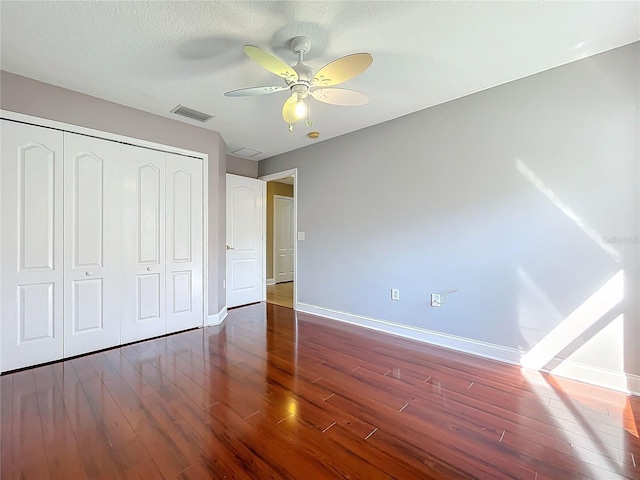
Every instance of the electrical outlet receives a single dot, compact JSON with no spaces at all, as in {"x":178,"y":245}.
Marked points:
{"x":435,"y":300}
{"x":395,"y":294}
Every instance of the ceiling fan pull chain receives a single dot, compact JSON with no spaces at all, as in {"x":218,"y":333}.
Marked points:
{"x":290,"y":125}
{"x":309,"y":121}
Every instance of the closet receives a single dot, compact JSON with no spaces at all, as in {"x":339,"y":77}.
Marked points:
{"x":101,"y":244}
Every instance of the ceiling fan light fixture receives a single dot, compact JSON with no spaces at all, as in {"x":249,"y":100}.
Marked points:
{"x":301,"y":108}
{"x":302,"y":83}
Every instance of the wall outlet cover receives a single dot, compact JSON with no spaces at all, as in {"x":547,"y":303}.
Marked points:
{"x":435,"y":300}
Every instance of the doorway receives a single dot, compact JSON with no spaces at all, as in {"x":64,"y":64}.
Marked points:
{"x":281,"y":238}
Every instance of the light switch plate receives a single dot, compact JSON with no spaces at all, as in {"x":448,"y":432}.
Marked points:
{"x":300,"y":235}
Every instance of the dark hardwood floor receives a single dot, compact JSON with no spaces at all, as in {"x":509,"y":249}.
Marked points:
{"x":268,"y":396}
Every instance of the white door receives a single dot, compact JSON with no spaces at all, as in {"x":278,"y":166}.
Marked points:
{"x":245,"y":226}
{"x":184,"y":243}
{"x":91,"y":244}
{"x":143,"y":238}
{"x":31,"y":256}
{"x":283,"y":242}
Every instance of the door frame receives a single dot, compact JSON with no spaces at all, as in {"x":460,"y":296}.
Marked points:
{"x":270,"y":178}
{"x":289,"y":199}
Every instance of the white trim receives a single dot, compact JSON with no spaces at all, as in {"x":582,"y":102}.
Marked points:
{"x":264,"y":239}
{"x":467,"y":345}
{"x":602,"y":377}
{"x":277,"y":176}
{"x":205,"y":236}
{"x":633,"y":384}
{"x":271,"y":281}
{"x":217,"y":318}
{"x":280,"y":175}
{"x":68,"y":127}
{"x":624,"y":382}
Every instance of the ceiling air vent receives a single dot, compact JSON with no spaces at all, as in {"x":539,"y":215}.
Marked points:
{"x":246,"y":152}
{"x":190,"y":113}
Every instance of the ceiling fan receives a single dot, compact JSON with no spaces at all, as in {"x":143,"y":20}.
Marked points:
{"x":303,"y":84}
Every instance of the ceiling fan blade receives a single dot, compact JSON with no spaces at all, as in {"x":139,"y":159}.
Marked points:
{"x":342,"y":69}
{"x":271,"y":63}
{"x":248,"y":92}
{"x":340,"y":96}
{"x":288,"y":111}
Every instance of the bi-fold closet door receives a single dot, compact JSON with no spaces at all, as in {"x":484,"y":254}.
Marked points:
{"x":92,"y":260}
{"x":31,"y":313}
{"x":162,"y":243}
{"x":101,"y":244}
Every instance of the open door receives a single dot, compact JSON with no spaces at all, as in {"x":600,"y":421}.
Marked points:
{"x":283,"y":242}
{"x":245,"y":241}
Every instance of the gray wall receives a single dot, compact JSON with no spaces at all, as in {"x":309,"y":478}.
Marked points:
{"x":242,"y":166}
{"x":30,"y":97}
{"x":512,"y":195}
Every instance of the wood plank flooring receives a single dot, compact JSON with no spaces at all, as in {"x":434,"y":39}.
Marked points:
{"x":273,"y":395}
{"x":280,"y":294}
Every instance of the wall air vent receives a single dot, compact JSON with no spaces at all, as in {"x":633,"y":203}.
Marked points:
{"x":192,"y":114}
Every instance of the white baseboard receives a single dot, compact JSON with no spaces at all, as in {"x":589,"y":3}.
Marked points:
{"x":271,"y":281}
{"x":467,"y":345}
{"x":217,"y":318}
{"x":602,"y":377}
{"x":625,"y":382}
{"x":633,"y":384}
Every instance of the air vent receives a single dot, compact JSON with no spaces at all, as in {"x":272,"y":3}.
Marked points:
{"x":190,"y":113}
{"x":246,"y":152}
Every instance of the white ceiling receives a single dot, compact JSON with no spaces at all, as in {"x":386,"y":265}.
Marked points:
{"x":155,"y":55}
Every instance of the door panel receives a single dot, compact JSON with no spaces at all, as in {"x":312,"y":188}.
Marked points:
{"x":284,"y":243}
{"x":31,"y":256}
{"x":36,"y":312}
{"x":92,"y":250}
{"x":87,"y":313}
{"x":148,"y":295}
{"x":143,"y":234}
{"x":37,"y":207}
{"x":184,"y":243}
{"x":245,"y":258}
{"x":149,"y":213}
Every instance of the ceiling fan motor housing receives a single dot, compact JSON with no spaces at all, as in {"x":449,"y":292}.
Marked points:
{"x":300,"y":44}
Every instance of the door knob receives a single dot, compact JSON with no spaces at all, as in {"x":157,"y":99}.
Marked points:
{"x":148,"y":269}
{"x":88,"y":273}
{"x":230,"y":248}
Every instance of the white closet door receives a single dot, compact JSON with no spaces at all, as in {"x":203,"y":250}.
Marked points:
{"x":91,"y":252}
{"x":32,"y":269}
{"x":184,"y":243}
{"x":143,"y":239}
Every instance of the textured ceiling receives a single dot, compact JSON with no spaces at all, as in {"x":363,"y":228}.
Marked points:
{"x":155,"y":55}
